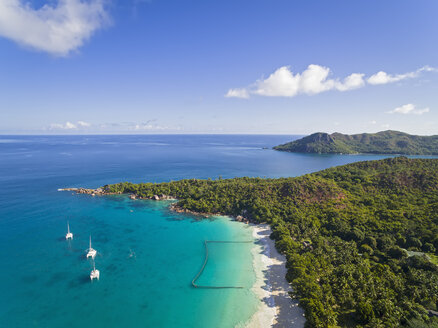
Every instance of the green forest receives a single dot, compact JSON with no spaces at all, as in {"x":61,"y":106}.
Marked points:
{"x":360,"y":240}
{"x":385,"y":142}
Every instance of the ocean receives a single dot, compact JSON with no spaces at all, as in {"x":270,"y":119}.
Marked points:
{"x":147,"y":255}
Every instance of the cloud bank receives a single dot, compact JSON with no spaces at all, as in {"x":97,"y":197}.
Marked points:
{"x":130,"y":127}
{"x":384,"y":78}
{"x":69,"y":125}
{"x":57,"y":29}
{"x":409,"y":109}
{"x":313,"y":80}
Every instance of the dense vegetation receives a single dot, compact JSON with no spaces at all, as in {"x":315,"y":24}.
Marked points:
{"x":344,"y":231}
{"x":385,"y":142}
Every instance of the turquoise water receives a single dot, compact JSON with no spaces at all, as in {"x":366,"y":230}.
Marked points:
{"x":147,"y":258}
{"x":147,"y":255}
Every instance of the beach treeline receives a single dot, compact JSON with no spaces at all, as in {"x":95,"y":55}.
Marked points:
{"x":360,"y":240}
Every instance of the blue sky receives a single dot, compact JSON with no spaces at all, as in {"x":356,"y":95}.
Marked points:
{"x":256,"y":66}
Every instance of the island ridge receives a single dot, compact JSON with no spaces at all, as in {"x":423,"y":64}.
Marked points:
{"x":385,"y":142}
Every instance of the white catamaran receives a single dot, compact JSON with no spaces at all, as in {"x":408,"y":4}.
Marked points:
{"x":69,"y":235}
{"x":95,"y":274}
{"x":91,"y":252}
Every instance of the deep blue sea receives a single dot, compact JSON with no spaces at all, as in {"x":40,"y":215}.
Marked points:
{"x":147,"y":255}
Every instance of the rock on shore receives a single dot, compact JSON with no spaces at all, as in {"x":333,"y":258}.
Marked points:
{"x":92,"y":192}
{"x":101,"y":192}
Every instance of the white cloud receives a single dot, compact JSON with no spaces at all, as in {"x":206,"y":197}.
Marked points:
{"x":237,"y":93}
{"x":56,"y":29}
{"x":353,"y":81}
{"x":384,"y":78}
{"x":84,"y":124}
{"x":313,"y":80}
{"x":65,"y":126}
{"x":280,"y":83}
{"x":147,"y":126}
{"x":69,"y":125}
{"x":409,"y":109}
{"x":284,"y":83}
{"x":120,"y":127}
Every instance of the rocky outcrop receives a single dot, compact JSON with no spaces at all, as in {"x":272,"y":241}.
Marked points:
{"x":176,"y":208}
{"x":162,"y":197}
{"x":92,"y":192}
{"x":173,"y":207}
{"x":240,"y":218}
{"x":154,"y":197}
{"x":101,"y":192}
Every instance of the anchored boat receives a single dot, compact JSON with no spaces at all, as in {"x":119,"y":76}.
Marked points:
{"x":91,"y":251}
{"x":69,"y":235}
{"x":95,"y":274}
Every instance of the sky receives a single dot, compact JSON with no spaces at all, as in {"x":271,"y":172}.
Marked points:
{"x":207,"y":66}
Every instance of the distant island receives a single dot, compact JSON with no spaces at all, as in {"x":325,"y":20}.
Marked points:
{"x":385,"y":142}
{"x":361,"y":240}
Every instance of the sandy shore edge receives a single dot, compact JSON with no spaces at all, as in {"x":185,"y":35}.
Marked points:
{"x":276,"y":309}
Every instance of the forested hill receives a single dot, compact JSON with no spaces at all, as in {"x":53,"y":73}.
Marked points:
{"x":385,"y":142}
{"x":346,"y":232}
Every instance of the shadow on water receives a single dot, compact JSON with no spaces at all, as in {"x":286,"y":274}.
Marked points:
{"x":173,"y":218}
{"x":139,"y":205}
{"x":102,"y":238}
{"x":56,"y":278}
{"x":112,"y":268}
{"x":143,"y":307}
{"x":80,"y":281}
{"x":82,"y":256}
{"x":29,"y":279}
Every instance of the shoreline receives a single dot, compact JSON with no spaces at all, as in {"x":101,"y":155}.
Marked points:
{"x":277,"y":308}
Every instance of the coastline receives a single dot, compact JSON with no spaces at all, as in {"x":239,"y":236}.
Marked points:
{"x":277,"y":308}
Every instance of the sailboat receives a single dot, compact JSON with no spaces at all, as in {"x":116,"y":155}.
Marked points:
{"x":91,"y":252}
{"x":69,"y":235}
{"x":95,"y":274}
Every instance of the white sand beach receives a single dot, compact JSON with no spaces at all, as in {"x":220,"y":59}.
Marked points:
{"x":277,"y":309}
